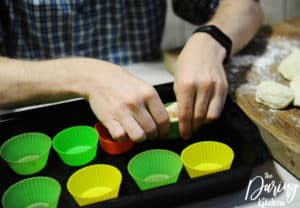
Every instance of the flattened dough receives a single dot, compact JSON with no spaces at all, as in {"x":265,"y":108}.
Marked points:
{"x":290,"y":66}
{"x":274,"y":95}
{"x":172,"y":111}
{"x":295,"y":86}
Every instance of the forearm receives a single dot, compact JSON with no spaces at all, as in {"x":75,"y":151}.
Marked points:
{"x":240,"y":20}
{"x":25,"y":82}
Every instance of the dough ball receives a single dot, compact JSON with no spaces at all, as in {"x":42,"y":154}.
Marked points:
{"x":172,"y":111}
{"x":274,"y":95}
{"x":295,"y":86}
{"x":290,"y":66}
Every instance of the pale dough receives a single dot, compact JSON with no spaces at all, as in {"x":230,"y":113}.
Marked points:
{"x":290,"y":66}
{"x":274,"y":95}
{"x":172,"y":111}
{"x":295,"y":86}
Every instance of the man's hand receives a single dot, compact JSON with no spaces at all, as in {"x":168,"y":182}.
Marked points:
{"x":200,"y":82}
{"x":127,"y":106}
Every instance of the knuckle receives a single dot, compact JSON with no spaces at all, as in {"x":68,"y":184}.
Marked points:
{"x":138,"y":137}
{"x":207,"y":83}
{"x":185,"y":85}
{"x":225,"y":87}
{"x":117,"y":108}
{"x":132,"y":102}
{"x":148,"y":92}
{"x":199,"y":118}
{"x":163,"y":119}
{"x":222,"y":85}
{"x":151,"y":130}
{"x":121,"y":135}
{"x":212,"y":115}
{"x":184,"y":117}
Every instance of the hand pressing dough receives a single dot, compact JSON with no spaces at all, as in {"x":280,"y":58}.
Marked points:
{"x":295,"y":86}
{"x":290,"y":66}
{"x":274,"y":95}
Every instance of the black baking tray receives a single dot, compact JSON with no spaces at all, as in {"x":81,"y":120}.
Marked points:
{"x":232,"y":128}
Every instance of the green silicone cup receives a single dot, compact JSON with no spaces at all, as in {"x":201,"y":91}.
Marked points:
{"x":155,"y":168}
{"x":174,"y":132}
{"x":26,"y":153}
{"x":76,"y":145}
{"x":42,"y":192}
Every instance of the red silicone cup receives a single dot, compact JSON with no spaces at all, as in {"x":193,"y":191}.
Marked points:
{"x":110,"y":145}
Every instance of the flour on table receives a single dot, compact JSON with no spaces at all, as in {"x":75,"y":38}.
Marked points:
{"x":246,"y":72}
{"x":260,"y":64}
{"x":296,"y":121}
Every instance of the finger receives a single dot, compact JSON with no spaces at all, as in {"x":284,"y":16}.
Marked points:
{"x":185,"y":96}
{"x":159,"y":115}
{"x":216,"y":104}
{"x":131,"y":126}
{"x":116,"y":131}
{"x":201,"y":105}
{"x":146,"y":122}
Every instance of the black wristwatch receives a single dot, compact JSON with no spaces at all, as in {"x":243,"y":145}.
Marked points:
{"x":219,"y":36}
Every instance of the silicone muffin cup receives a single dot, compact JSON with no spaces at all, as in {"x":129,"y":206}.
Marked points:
{"x":174,"y":132}
{"x":206,"y":157}
{"x":109,"y":145}
{"x":94,"y":183}
{"x":26,"y":153}
{"x":155,"y":168}
{"x":76,"y":145}
{"x":42,"y":192}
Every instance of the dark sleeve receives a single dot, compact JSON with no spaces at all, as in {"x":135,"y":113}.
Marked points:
{"x":1,"y":35}
{"x":2,"y":32}
{"x":195,"y":11}
{"x":4,"y":27}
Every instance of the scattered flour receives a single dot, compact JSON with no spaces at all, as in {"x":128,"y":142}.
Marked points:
{"x":296,"y":121}
{"x":273,"y":110}
{"x":276,"y":50}
{"x":246,"y":71}
{"x":270,"y":119}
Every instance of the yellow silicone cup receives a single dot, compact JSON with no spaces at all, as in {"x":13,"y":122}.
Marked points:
{"x":206,"y":157}
{"x":94,"y":183}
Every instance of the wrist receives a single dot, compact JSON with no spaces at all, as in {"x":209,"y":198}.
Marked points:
{"x":60,"y":79}
{"x":76,"y":75}
{"x":219,"y":36}
{"x":212,"y":47}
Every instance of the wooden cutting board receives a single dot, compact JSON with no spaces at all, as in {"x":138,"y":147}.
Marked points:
{"x":280,"y":129}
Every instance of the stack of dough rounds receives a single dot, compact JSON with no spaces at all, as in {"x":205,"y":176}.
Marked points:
{"x":279,"y":96}
{"x":295,"y":86}
{"x":290,"y":66}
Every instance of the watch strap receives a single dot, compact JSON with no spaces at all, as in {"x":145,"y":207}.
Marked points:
{"x":219,"y":36}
